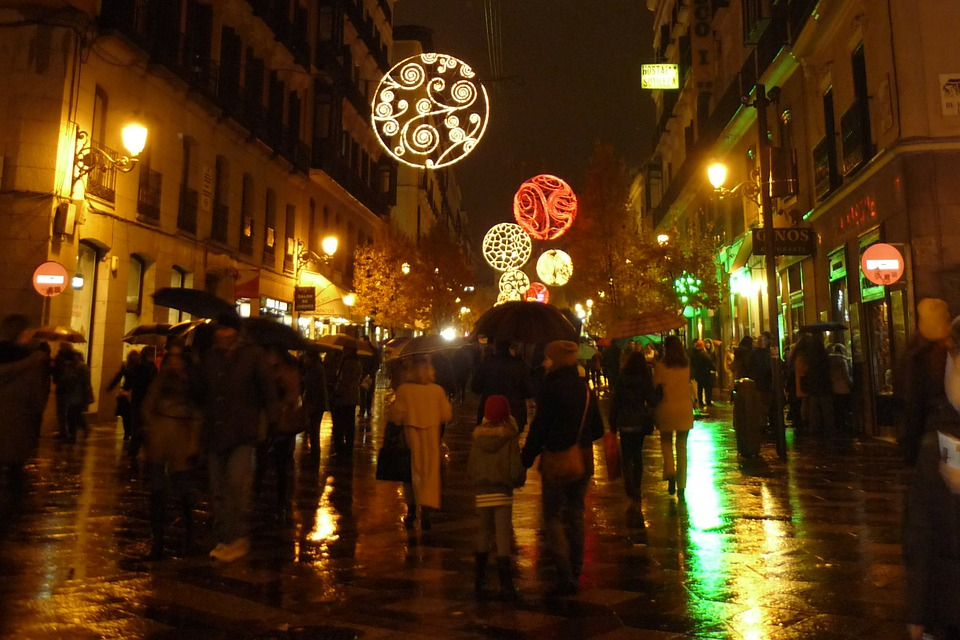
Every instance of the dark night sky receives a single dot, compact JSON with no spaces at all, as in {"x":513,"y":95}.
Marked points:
{"x":577,"y":64}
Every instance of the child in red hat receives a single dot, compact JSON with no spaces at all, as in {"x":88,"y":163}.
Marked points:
{"x":495,"y":469}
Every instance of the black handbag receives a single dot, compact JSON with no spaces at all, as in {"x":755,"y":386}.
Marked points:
{"x":393,"y":459}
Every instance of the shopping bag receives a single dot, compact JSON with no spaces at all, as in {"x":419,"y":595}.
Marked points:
{"x":562,"y":467}
{"x":393,"y":459}
{"x":611,"y":451}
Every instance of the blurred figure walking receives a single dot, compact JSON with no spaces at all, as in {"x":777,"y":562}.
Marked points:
{"x":123,"y":378}
{"x":632,"y":416}
{"x":344,"y":401}
{"x":674,"y":413}
{"x":315,"y":400}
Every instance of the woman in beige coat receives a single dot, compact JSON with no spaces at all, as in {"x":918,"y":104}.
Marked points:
{"x":674,"y":413}
{"x":421,"y":406}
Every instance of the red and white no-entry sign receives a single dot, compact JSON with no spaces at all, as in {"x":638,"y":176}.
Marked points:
{"x":50,"y":279}
{"x":882,"y":263}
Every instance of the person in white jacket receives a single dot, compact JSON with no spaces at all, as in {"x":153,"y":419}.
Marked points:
{"x":421,"y":406}
{"x":674,"y":413}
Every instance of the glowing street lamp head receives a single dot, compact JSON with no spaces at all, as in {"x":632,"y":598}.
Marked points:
{"x":717,"y":174}
{"x":429,"y":111}
{"x":329,"y":245}
{"x":134,"y":138}
{"x":663,"y":239}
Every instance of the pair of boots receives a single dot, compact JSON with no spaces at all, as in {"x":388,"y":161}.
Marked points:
{"x":508,"y":592}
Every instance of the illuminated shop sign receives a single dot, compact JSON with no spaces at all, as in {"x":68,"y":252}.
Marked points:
{"x":659,"y":76}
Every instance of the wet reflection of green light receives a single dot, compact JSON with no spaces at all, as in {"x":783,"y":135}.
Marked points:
{"x":708,"y":567}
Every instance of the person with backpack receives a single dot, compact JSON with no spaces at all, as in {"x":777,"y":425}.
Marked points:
{"x":495,"y":469}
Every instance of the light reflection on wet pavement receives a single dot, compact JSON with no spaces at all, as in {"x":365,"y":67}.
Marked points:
{"x":803,"y":548}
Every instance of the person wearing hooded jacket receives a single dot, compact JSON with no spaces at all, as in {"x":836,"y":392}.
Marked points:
{"x":632,"y":415}
{"x":563,"y":402}
{"x":495,"y":469}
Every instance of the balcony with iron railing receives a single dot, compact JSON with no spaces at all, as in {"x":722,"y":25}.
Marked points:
{"x":187,"y":213}
{"x":855,"y":137}
{"x":148,"y":195}
{"x":823,"y":172}
{"x":102,"y":179}
{"x":326,"y":157}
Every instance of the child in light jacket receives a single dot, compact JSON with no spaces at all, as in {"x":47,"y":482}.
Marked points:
{"x":495,"y":469}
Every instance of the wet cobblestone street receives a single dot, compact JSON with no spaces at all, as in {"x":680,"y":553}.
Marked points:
{"x":807,"y":547}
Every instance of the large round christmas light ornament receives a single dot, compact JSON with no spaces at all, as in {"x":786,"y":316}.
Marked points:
{"x":429,"y":111}
{"x":537,"y":292}
{"x":545,"y":206}
{"x":506,"y":246}
{"x":514,"y":283}
{"x":555,"y":267}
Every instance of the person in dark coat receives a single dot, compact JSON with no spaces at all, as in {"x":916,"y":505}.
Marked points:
{"x":239,"y":394}
{"x":503,"y":374}
{"x":315,"y":400}
{"x":632,"y":416}
{"x":564,"y":402}
{"x":611,"y":364}
{"x":74,"y":391}
{"x":24,"y":386}
{"x":368,"y":380}
{"x":123,"y":378}
{"x":139,"y":381}
{"x":344,"y":401}
{"x":701,"y":370}
{"x":812,"y":366}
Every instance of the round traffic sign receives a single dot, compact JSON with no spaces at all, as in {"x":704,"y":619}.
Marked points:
{"x":50,"y":279}
{"x":882,"y":263}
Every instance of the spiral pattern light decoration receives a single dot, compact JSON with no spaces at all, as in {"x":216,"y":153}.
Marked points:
{"x":555,"y":267}
{"x":545,"y":206}
{"x":514,"y":283}
{"x":429,"y":111}
{"x":537,"y":292}
{"x":506,"y":246}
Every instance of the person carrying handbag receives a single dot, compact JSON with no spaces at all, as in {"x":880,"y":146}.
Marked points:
{"x":567,"y":416}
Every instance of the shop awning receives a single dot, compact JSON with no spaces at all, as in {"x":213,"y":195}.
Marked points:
{"x":744,"y":251}
{"x":330,"y":302}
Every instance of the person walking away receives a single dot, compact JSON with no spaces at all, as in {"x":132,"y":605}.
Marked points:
{"x":315,"y":400}
{"x":743,"y":357}
{"x":495,"y":470}
{"x":238,"y":390}
{"x":277,"y":450}
{"x":710,"y":381}
{"x":565,"y":407}
{"x":632,"y":416}
{"x":346,"y":397}
{"x":701,"y":370}
{"x":841,"y":384}
{"x":62,"y":371}
{"x":368,"y":383}
{"x":761,"y":372}
{"x":171,"y":432}
{"x":674,"y":413}
{"x":74,"y":390}
{"x":24,"y":387}
{"x":140,"y":379}
{"x":503,"y":374}
{"x":421,"y":406}
{"x":813,"y":386}
{"x":123,"y":379}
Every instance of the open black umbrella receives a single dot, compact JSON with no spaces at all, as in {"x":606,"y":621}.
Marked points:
{"x":532,"y":322}
{"x":341,"y":341}
{"x":154,"y":333}
{"x":56,"y":334}
{"x":270,"y":333}
{"x":193,"y":301}
{"x":425,"y":344}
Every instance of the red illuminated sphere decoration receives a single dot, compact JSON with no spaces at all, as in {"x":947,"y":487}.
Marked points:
{"x":537,"y":293}
{"x":545,"y":207}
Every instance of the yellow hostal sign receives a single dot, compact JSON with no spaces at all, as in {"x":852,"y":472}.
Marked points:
{"x":659,"y":76}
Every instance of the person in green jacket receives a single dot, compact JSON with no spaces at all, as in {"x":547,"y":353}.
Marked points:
{"x":495,"y":469}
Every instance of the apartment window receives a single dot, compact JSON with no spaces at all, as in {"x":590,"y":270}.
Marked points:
{"x":289,"y":231}
{"x":830,"y":147}
{"x":148,"y":189}
{"x":270,"y":226}
{"x":246,"y":215}
{"x":311,"y":227}
{"x":855,"y":122}
{"x":135,"y":285}
{"x":180,"y":278}
{"x":189,"y":198}
{"x":102,"y":181}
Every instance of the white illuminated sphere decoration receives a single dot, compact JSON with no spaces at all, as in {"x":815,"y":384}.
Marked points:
{"x":555,"y":267}
{"x":502,"y":297}
{"x":429,"y":111}
{"x":514,"y":283}
{"x":506,"y":246}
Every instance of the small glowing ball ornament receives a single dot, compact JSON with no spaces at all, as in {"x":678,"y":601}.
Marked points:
{"x":429,"y":111}
{"x":502,"y":297}
{"x":537,"y":293}
{"x":506,"y":246}
{"x":555,"y":267}
{"x":513,"y":283}
{"x":545,"y":206}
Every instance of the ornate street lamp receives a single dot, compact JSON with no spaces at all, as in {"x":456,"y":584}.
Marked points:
{"x":756,"y":189}
{"x":91,"y":156}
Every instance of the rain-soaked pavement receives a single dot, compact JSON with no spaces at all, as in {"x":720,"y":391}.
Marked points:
{"x":808,"y":547}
